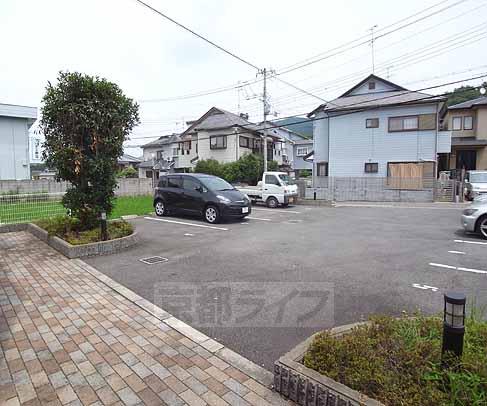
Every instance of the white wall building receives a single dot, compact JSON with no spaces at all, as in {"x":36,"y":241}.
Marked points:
{"x":15,"y":122}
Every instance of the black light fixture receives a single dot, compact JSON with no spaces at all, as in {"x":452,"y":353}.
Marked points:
{"x":453,"y":324}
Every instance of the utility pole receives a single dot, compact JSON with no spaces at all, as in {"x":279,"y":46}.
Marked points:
{"x":372,"y":46}
{"x":265,"y":111}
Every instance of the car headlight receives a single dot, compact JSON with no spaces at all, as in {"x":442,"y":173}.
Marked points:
{"x":469,"y":212}
{"x":223,"y":199}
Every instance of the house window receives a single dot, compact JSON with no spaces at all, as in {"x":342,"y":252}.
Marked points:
{"x":175,"y":151}
{"x":218,"y":142}
{"x":468,"y":123}
{"x":371,"y":167}
{"x":160,"y":155}
{"x":412,"y":123}
{"x":148,"y":174}
{"x":322,"y":169}
{"x":371,"y":85}
{"x":372,"y":123}
{"x":244,"y":142}
{"x":302,"y":151}
{"x":456,"y":123}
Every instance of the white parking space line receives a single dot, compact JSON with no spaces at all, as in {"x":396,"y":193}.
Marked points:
{"x":258,"y":218}
{"x":390,"y":206}
{"x":457,"y":268}
{"x":471,"y":242}
{"x":187,"y":224}
{"x":278,"y":210}
{"x":425,"y":287}
{"x":457,"y":252}
{"x":188,"y":235}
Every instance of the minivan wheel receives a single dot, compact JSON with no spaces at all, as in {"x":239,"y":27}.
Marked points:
{"x":272,"y":202}
{"x":482,"y":226}
{"x":212,"y":215}
{"x":160,"y":208}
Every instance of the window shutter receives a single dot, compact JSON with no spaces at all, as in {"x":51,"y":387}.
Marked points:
{"x":427,"y":122}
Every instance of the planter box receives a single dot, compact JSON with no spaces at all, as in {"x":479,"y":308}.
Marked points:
{"x":74,"y":251}
{"x":308,"y":387}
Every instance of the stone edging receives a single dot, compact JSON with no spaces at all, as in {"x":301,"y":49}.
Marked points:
{"x":306,"y":386}
{"x":236,"y":360}
{"x":74,"y":251}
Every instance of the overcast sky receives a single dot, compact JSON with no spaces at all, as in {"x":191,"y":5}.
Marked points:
{"x":151,"y":58}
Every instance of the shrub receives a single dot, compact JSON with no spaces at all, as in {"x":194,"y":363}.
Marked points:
{"x":248,"y":168}
{"x":69,"y":229}
{"x":85,"y":121}
{"x":128,"y":172}
{"x":398,"y":362}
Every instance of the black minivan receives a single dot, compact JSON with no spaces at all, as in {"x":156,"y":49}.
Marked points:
{"x":200,"y":194}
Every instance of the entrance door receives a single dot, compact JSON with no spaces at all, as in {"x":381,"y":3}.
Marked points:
{"x":467,"y":159}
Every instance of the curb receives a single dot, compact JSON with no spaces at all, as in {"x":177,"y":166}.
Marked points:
{"x":219,"y":350}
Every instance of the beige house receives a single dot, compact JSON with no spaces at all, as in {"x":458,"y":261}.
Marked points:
{"x":226,"y":137}
{"x":468,"y":123}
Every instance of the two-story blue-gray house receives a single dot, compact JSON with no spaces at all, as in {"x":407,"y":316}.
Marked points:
{"x":378,"y":129}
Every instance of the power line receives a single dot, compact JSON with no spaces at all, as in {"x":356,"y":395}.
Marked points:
{"x":351,"y":106}
{"x":407,"y":59}
{"x":198,"y":35}
{"x":291,"y":69}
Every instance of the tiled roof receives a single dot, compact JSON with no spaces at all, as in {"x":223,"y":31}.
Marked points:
{"x":379,"y":99}
{"x":479,"y":101}
{"x":220,"y":118}
{"x":129,"y":158}
{"x":163,"y":140}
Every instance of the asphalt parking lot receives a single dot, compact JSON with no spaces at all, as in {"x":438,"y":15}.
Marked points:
{"x":349,"y":261}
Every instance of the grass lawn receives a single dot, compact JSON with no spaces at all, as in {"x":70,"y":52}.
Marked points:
{"x":28,"y":210}
{"x":126,"y":205}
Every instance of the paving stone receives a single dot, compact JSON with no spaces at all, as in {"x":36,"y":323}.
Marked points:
{"x":192,"y":398}
{"x":128,"y":396}
{"x":170,"y":398}
{"x":72,"y":340}
{"x":236,"y":387}
{"x":213,"y":399}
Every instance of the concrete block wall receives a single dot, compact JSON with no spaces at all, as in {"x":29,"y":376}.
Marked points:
{"x":126,"y":187}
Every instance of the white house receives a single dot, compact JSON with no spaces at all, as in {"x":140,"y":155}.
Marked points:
{"x":378,"y":129}
{"x":15,"y":122}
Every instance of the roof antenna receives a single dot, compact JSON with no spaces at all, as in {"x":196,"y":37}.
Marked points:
{"x":372,"y":40}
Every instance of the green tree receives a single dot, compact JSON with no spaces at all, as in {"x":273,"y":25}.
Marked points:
{"x":128,"y":172}
{"x":210,"y":167}
{"x":248,"y":168}
{"x":85,"y":121}
{"x":464,"y":93}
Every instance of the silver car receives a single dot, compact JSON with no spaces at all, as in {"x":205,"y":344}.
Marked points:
{"x":474,"y":218}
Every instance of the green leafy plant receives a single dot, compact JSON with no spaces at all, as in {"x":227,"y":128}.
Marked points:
{"x":70,"y":229}
{"x":85,"y":121}
{"x":128,"y":172}
{"x":248,"y":169}
{"x":398,"y":362}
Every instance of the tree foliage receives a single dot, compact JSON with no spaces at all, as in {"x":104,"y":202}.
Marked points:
{"x":85,"y":121}
{"x":128,"y":172}
{"x":247,"y":169}
{"x":464,"y":93}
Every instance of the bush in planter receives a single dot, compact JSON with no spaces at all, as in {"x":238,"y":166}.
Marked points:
{"x":398,"y":362}
{"x":69,"y":229}
{"x":85,"y":121}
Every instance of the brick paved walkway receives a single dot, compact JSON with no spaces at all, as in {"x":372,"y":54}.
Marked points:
{"x":67,"y":337}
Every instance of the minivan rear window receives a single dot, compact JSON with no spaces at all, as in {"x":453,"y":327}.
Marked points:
{"x":174,"y":181}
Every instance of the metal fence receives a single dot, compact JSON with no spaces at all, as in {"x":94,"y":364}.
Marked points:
{"x":382,"y":189}
{"x":22,"y":208}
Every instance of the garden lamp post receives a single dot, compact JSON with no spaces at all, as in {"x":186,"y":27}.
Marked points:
{"x":103,"y":226}
{"x":453,"y":324}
